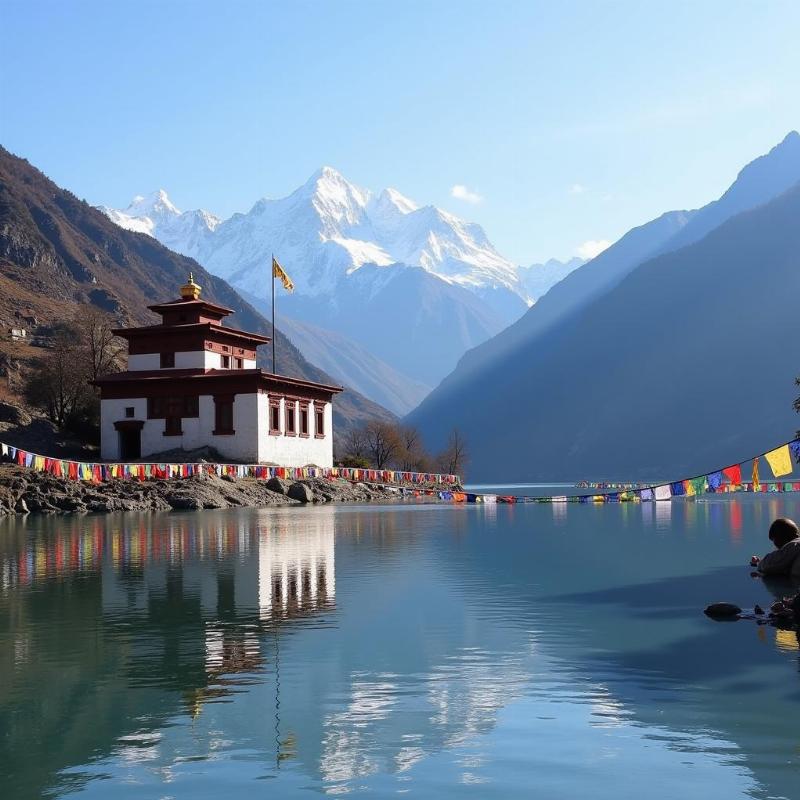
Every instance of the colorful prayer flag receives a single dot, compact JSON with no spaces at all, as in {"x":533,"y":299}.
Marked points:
{"x":733,"y":474}
{"x":780,"y":461}
{"x":279,"y":272}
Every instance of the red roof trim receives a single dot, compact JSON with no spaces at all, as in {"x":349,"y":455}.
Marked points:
{"x":235,"y":333}
{"x":263,"y":379}
{"x":178,"y":304}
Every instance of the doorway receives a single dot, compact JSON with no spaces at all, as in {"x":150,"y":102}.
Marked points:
{"x":130,"y":444}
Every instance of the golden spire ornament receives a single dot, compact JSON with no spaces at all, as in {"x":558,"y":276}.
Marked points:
{"x":190,"y":290}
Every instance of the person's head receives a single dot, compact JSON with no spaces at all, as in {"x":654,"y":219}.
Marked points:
{"x":783,"y":530}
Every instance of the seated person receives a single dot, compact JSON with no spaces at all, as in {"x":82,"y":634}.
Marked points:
{"x":785,"y":558}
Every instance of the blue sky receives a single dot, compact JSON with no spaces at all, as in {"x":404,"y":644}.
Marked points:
{"x":563,"y":123}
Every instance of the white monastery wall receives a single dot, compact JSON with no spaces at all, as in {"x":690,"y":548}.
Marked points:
{"x":142,"y":361}
{"x":197,"y":359}
{"x":295,"y":451}
{"x":251,"y":442}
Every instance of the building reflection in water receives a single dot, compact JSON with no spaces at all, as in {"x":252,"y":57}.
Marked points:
{"x":186,"y":603}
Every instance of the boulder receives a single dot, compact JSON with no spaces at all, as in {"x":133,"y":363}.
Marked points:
{"x":14,"y":415}
{"x":722,"y":610}
{"x":299,"y":491}
{"x":183,"y":501}
{"x":278,"y":485}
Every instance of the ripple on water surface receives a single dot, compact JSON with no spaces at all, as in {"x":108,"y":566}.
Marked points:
{"x":526,"y":651}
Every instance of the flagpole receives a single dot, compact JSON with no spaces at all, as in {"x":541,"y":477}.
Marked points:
{"x":272,"y":281}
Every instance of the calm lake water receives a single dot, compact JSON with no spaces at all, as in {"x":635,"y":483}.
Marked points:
{"x":528,"y":651}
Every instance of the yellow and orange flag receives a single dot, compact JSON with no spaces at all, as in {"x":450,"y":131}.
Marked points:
{"x":279,"y":272}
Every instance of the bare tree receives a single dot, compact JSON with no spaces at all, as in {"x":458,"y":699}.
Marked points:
{"x":383,"y":442}
{"x":102,"y":349}
{"x":355,"y":443}
{"x":455,"y":457}
{"x":58,"y":385}
{"x":412,"y":455}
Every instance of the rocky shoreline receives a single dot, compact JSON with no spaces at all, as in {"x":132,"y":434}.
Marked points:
{"x":24,"y":491}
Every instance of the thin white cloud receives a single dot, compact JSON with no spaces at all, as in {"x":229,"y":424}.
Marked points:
{"x":576,"y":188}
{"x":593,"y":247}
{"x":460,"y":192}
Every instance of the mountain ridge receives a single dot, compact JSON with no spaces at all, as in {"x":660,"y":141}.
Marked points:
{"x":557,"y":428}
{"x":59,"y":254}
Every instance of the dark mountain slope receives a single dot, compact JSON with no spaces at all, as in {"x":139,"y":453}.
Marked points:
{"x":412,"y":320}
{"x":688,"y":364}
{"x":57,"y":253}
{"x":760,"y":181}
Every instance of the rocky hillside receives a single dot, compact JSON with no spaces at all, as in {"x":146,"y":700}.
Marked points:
{"x":58,"y":253}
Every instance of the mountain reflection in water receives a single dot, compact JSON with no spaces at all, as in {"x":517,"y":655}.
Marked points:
{"x":528,"y":651}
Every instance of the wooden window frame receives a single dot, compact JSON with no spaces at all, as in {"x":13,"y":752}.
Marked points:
{"x":220,"y":401}
{"x":173,"y":426}
{"x":178,"y":406}
{"x":225,"y":362}
{"x":274,"y":414}
{"x":289,"y":412}
{"x":319,"y":414}
{"x":304,"y":430}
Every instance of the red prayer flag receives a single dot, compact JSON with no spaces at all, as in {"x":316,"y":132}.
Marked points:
{"x":733,"y":474}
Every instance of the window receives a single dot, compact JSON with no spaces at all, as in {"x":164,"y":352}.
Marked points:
{"x":304,"y":419}
{"x":226,"y":362}
{"x":291,"y":430}
{"x":172,"y":426}
{"x":181,"y":406}
{"x":167,"y":360}
{"x":129,"y":412}
{"x":275,"y":416}
{"x":319,"y":420}
{"x":239,"y":363}
{"x":223,"y":415}
{"x":156,"y":407}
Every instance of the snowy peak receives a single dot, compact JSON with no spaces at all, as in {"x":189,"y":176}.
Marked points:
{"x":326,"y":229}
{"x":157,"y":216}
{"x":538,"y":279}
{"x":391,"y":200}
{"x":154,"y":205}
{"x":334,"y":198}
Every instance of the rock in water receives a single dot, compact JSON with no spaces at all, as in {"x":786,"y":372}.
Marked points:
{"x":299,"y":491}
{"x":722,"y":610}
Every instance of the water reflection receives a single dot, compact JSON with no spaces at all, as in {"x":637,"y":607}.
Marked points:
{"x":382,"y":650}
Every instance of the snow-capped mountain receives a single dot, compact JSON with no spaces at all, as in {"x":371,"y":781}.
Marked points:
{"x":326,"y":228}
{"x":350,"y":251}
{"x":184,"y":232}
{"x":539,"y":278}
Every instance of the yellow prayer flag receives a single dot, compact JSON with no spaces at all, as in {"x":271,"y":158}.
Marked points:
{"x":780,"y":461}
{"x":756,"y":480}
{"x":279,"y":272}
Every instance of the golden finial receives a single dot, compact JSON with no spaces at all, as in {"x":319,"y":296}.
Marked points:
{"x":190,"y":290}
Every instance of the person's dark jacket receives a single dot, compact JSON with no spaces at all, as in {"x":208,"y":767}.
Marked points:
{"x":783,"y":561}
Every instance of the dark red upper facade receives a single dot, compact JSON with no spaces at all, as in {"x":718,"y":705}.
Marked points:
{"x":191,"y":325}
